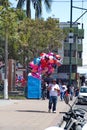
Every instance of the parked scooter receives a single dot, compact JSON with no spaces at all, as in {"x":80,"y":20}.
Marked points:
{"x":74,"y":119}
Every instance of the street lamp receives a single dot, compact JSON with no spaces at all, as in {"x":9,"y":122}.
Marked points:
{"x":70,"y":41}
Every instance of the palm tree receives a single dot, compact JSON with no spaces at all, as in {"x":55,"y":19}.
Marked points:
{"x":37,"y":4}
{"x":20,"y":5}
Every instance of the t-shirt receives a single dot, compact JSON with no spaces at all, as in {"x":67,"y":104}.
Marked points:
{"x":65,"y":88}
{"x":61,"y":88}
{"x":54,"y":92}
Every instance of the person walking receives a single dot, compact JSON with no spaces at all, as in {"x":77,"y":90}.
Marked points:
{"x":61,"y":90}
{"x":71,"y":92}
{"x":53,"y":96}
{"x":44,"y":90}
{"x":64,"y":88}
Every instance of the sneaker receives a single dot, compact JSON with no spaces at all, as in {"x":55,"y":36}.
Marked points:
{"x":54,"y":111}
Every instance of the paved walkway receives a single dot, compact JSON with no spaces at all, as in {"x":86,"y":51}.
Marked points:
{"x":29,"y":114}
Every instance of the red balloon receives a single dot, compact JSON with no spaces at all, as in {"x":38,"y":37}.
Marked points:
{"x":59,"y":63}
{"x":43,"y":54}
{"x":44,"y":63}
{"x":58,"y":56}
{"x":31,"y":64}
{"x":51,"y":61}
{"x":35,"y":68}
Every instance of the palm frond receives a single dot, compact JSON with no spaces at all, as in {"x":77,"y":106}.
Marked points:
{"x":20,"y":3}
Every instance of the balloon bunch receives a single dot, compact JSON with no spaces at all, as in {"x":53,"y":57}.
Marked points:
{"x":20,"y":81}
{"x":45,"y":64}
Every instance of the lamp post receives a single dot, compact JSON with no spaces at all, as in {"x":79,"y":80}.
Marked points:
{"x":70,"y":42}
{"x":70,"y":58}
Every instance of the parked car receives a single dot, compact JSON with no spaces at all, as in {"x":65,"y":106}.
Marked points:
{"x":82,"y":96}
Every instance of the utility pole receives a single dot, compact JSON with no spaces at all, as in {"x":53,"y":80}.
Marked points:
{"x":70,"y":58}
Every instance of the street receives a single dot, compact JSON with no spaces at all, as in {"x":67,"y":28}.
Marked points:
{"x":29,"y":114}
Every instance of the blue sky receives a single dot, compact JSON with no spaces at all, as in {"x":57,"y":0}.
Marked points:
{"x":61,"y":9}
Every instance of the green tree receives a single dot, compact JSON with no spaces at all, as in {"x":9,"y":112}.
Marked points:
{"x":8,"y":28}
{"x":5,"y":3}
{"x":21,"y":4}
{"x":37,"y":4}
{"x":8,"y":25}
{"x":27,"y":38}
{"x":38,"y":36}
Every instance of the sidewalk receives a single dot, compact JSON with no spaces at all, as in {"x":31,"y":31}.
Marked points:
{"x":29,"y":114}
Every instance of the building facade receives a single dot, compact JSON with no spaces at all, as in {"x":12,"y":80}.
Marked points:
{"x":63,"y":72}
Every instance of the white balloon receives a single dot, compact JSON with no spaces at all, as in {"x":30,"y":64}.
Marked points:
{"x":84,"y":127}
{"x":54,"y":128}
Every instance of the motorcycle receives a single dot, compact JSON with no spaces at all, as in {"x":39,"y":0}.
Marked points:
{"x":74,"y":119}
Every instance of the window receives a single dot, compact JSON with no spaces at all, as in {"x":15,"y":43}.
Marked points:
{"x":66,"y":69}
{"x":66,"y":39}
{"x":66,"y":53}
{"x":79,"y":41}
{"x":73,"y":53}
{"x":83,"y":90}
{"x":79,"y":54}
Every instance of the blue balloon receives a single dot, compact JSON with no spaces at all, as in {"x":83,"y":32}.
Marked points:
{"x":37,"y":60}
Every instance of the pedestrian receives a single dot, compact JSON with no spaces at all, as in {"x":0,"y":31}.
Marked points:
{"x":49,"y":84}
{"x":71,"y":92}
{"x":61,"y":90}
{"x":44,"y":90}
{"x":76,"y":91}
{"x":68,"y":89}
{"x":64,"y":86}
{"x":53,"y":95}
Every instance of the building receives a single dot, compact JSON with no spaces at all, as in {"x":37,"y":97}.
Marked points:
{"x":63,"y":71}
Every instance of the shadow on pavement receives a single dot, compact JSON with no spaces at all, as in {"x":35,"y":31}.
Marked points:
{"x":32,"y":111}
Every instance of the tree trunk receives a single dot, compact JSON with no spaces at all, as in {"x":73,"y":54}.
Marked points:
{"x":28,"y":8}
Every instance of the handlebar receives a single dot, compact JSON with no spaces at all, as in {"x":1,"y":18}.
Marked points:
{"x":75,"y":113}
{"x":80,"y":110}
